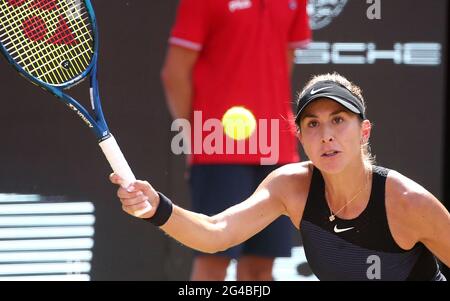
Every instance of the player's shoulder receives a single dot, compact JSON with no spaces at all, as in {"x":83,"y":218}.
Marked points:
{"x":294,"y":171}
{"x":406,"y":194}
{"x":291,"y":179}
{"x":413,"y":212}
{"x":290,"y":184}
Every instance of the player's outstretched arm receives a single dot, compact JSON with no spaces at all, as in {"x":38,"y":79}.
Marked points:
{"x":205,"y":233}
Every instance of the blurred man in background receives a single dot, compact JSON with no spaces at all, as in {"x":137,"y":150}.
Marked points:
{"x":236,"y":56}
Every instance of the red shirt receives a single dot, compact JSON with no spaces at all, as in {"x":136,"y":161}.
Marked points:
{"x":243,"y":62}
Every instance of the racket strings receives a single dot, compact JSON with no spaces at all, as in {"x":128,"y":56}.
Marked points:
{"x":74,"y":59}
{"x":56,"y":52}
{"x":33,"y":58}
{"x":43,"y":5}
{"x":35,"y":33}
{"x":31,"y":61}
{"x":24,"y":15}
{"x":82,"y":51}
{"x":65,"y":35}
{"x":56,"y":45}
{"x":52,"y":4}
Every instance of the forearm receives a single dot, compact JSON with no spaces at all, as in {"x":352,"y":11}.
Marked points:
{"x":198,"y":231}
{"x":178,"y":90}
{"x":195,"y":230}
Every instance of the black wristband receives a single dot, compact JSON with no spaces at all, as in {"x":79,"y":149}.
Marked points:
{"x":163,"y":211}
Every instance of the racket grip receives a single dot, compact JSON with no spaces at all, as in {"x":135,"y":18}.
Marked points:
{"x":117,"y":161}
{"x":120,"y":166}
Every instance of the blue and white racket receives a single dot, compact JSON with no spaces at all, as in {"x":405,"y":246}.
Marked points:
{"x":54,"y":44}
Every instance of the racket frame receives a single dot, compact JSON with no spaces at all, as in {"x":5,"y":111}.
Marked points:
{"x":96,"y":121}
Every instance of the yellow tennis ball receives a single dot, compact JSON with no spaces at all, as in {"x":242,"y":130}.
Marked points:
{"x":238,"y":123}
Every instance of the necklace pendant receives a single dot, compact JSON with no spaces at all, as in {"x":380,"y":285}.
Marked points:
{"x":331,"y":218}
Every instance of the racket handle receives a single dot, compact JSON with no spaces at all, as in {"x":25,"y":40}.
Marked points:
{"x":120,"y":166}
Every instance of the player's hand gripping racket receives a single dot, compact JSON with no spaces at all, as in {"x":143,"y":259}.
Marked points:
{"x":54,"y":44}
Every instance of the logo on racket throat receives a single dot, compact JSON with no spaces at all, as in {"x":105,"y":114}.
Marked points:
{"x":81,"y":115}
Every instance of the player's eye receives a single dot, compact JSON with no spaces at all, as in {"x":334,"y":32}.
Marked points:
{"x":338,"y":120}
{"x":312,"y":124}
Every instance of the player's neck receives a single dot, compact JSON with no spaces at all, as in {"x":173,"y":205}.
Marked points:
{"x":351,"y":183}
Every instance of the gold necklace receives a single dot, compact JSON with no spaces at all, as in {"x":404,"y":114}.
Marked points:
{"x":332,"y":216}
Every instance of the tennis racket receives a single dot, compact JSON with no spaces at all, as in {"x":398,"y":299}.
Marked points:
{"x":54,"y":44}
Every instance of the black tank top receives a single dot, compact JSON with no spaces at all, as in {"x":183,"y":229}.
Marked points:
{"x":362,"y":248}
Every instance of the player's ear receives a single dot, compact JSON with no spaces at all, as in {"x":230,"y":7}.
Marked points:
{"x":366,"y":128}
{"x":299,"y":135}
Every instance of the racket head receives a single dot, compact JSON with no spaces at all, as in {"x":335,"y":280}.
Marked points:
{"x":52,"y":42}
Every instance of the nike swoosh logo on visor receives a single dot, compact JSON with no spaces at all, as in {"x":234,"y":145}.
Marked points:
{"x":318,"y":90}
{"x":337,"y":230}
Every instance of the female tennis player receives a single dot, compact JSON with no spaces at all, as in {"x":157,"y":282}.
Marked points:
{"x":358,"y":221}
